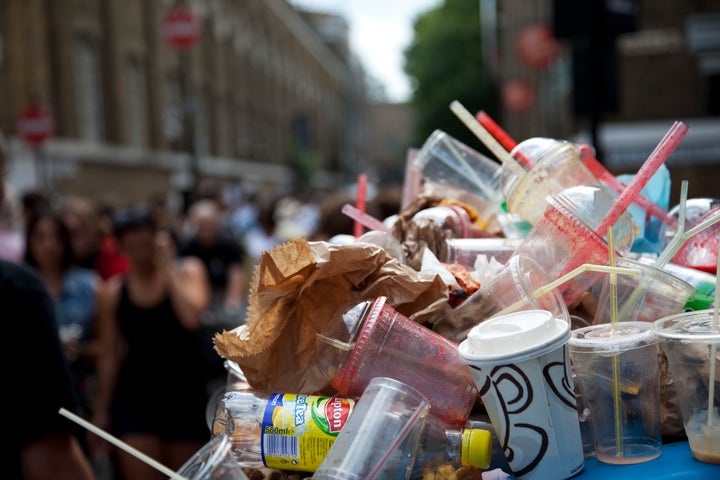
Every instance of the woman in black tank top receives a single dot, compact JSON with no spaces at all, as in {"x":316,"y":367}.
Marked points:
{"x":153,"y":381}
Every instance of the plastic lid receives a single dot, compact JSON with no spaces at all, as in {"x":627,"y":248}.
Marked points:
{"x":476,"y":448}
{"x":520,"y":335}
{"x":590,"y":204}
{"x":536,"y":148}
{"x":602,"y":338}
{"x":688,"y":326}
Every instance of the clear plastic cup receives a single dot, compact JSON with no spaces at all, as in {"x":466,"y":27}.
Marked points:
{"x":381,"y":436}
{"x":214,"y":461}
{"x":690,"y":341}
{"x":556,"y":165}
{"x":521,"y":368}
{"x":618,"y":377}
{"x":512,"y":287}
{"x":371,"y":339}
{"x":564,"y":238}
{"x":464,"y":251}
{"x":652,"y":294}
{"x":445,"y":160}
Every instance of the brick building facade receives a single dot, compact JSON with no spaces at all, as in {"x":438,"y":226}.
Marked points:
{"x":262,"y":86}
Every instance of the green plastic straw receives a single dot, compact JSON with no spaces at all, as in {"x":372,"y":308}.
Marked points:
{"x":713,"y":350}
{"x":615,"y":366}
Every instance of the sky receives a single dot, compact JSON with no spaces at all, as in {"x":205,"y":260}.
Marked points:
{"x":379,"y":32}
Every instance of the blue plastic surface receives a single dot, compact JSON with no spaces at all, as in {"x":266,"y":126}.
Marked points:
{"x":676,"y":463}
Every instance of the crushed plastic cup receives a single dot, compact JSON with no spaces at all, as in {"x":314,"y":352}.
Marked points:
{"x":652,"y":294}
{"x":381,"y":436}
{"x":690,"y":341}
{"x":618,"y":376}
{"x":445,"y":160}
{"x":465,"y":251}
{"x":371,"y":339}
{"x":520,"y":364}
{"x":512,"y":287}
{"x":214,"y":461}
{"x":556,"y":165}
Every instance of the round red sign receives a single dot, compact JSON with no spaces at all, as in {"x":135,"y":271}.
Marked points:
{"x":36,"y":125}
{"x":182,"y":28}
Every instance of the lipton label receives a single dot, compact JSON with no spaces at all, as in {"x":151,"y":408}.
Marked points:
{"x":298,"y":430}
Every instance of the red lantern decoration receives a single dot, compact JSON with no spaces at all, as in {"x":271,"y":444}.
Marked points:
{"x":517,"y":95}
{"x":536,"y":46}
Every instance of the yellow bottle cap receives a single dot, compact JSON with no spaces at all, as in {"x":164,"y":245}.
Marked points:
{"x":476,"y":448}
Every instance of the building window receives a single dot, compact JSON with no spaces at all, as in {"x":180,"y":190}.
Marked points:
{"x":88,"y":88}
{"x":172,"y":112}
{"x":135,"y":104}
{"x":223,"y":140}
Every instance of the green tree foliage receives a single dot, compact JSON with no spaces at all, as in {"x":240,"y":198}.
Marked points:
{"x":445,"y":63}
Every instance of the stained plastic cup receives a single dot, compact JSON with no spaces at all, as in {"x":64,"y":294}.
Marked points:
{"x":520,"y":365}
{"x":701,"y":250}
{"x":564,"y":238}
{"x":381,"y":436}
{"x":652,"y":294}
{"x":372,"y":339}
{"x":689,"y":342}
{"x":618,"y":377}
{"x":214,"y":461}
{"x":556,"y":165}
{"x":445,"y":160}
{"x":513,"y":286}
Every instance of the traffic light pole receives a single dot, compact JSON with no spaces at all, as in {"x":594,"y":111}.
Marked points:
{"x":189,"y":110}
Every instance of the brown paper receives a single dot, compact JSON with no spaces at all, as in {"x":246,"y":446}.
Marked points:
{"x":297,"y":288}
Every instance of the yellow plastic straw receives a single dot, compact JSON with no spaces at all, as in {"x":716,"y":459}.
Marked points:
{"x":119,"y":443}
{"x":487,"y":139}
{"x":585,"y":267}
{"x":615,"y":367}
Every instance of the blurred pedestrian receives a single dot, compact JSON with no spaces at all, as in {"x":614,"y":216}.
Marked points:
{"x":39,"y":443}
{"x":152,"y":380}
{"x":92,"y":247}
{"x":73,"y":291}
{"x":261,"y":236}
{"x":11,"y":241}
{"x":224,"y":260}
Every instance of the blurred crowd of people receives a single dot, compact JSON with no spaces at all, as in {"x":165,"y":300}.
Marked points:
{"x":136,"y":292}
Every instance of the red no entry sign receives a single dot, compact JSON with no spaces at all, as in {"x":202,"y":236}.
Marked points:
{"x":36,"y":125}
{"x":181,"y":27}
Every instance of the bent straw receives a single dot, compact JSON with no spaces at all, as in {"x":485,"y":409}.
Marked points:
{"x":585,"y":267}
{"x":119,"y":443}
{"x":365,"y":219}
{"x":484,"y":136}
{"x":658,"y":156}
{"x":609,"y":180}
{"x":502,"y":136}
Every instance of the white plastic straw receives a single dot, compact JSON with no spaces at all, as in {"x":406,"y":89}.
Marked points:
{"x":120,"y":444}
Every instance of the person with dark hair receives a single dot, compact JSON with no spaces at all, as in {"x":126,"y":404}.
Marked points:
{"x":74,"y":294}
{"x":39,"y":443}
{"x":152,"y":382}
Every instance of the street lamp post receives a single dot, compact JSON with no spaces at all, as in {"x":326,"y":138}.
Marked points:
{"x":182,"y":29}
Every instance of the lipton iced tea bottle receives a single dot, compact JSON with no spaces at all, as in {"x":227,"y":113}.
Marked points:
{"x":282,"y":431}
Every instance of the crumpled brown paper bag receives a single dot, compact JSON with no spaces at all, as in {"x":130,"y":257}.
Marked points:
{"x":297,"y":288}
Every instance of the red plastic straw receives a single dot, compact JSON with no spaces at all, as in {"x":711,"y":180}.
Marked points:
{"x":661,"y":153}
{"x":502,"y":136}
{"x":610,"y":181}
{"x":360,"y":202}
